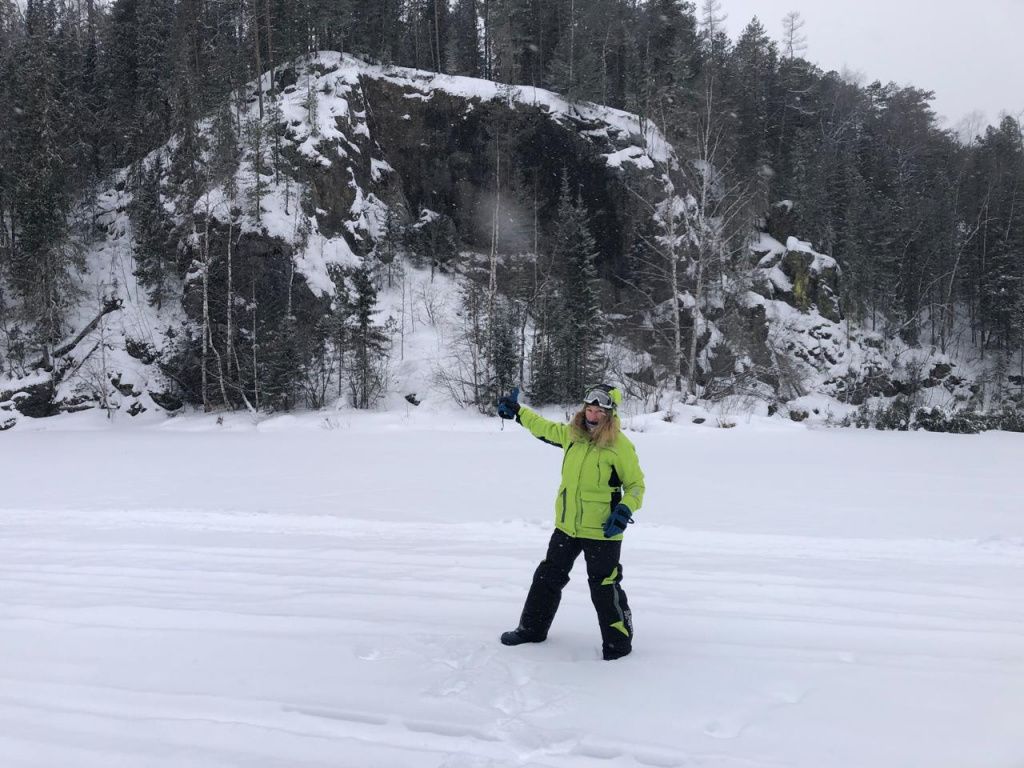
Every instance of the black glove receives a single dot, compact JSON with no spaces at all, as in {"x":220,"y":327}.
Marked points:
{"x":617,"y":521}
{"x":508,"y":405}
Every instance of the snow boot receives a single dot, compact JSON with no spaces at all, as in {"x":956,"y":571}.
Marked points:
{"x":610,"y":654}
{"x":518,"y":636}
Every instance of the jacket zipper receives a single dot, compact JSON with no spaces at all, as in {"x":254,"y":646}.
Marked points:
{"x":579,"y":495}
{"x":563,"y":506}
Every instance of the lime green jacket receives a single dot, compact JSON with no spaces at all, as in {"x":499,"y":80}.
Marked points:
{"x":594,"y":479}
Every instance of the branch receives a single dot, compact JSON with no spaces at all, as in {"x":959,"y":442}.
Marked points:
{"x":110,"y":304}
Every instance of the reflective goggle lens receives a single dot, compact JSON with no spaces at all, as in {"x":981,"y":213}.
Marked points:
{"x":599,"y":398}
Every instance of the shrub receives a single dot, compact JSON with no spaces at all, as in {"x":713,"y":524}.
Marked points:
{"x":1011,"y":420}
{"x":958,"y":423}
{"x":896,"y":416}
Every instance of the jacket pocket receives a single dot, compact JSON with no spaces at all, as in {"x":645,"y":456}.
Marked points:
{"x":597,"y":505}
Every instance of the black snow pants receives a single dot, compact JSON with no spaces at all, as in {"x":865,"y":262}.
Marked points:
{"x":604,"y":574}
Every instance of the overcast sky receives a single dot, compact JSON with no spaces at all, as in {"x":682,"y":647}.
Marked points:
{"x":969,"y":53}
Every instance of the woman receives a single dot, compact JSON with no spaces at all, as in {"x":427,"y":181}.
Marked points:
{"x":602,"y":486}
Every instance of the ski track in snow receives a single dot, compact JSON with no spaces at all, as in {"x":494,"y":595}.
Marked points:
{"x":160,"y":636}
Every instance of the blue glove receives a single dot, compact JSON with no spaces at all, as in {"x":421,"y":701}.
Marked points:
{"x":617,"y":521}
{"x":508,"y":405}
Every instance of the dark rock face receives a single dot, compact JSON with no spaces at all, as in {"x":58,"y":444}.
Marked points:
{"x":166,"y":400}
{"x":126,"y":389}
{"x":813,"y":281}
{"x":286,"y":77}
{"x":75,"y":403}
{"x":270,"y":285}
{"x":938,"y":372}
{"x":814,"y":286}
{"x":140,"y":350}
{"x":756,"y":324}
{"x":784,"y":221}
{"x":31,"y":399}
{"x":446,"y":149}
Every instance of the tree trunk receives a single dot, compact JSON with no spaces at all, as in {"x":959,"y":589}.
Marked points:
{"x":109,"y":305}
{"x":677,"y":331}
{"x":492,"y":278}
{"x":572,"y":47}
{"x":487,"y":40}
{"x":229,"y":332}
{"x":220,"y":372}
{"x":698,"y":298}
{"x":255,"y":346}
{"x":437,"y":38}
{"x":206,"y":312}
{"x":270,"y":46}
{"x":256,"y":51}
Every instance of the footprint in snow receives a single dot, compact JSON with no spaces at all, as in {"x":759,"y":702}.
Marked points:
{"x":716,"y":729}
{"x":752,"y":711}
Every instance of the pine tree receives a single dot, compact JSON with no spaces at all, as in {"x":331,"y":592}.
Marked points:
{"x":437,"y":22}
{"x":793,"y":107}
{"x":659,"y":263}
{"x":523,"y":35}
{"x":305,"y":26}
{"x":502,"y":350}
{"x":186,"y":169}
{"x":136,"y":68}
{"x":276,"y":128}
{"x":547,"y":382}
{"x":997,"y":252}
{"x":225,"y":154}
{"x":580,"y":331}
{"x":434,"y":240}
{"x":8,"y":96}
{"x":155,"y":62}
{"x":119,"y":55}
{"x":853,"y":244}
{"x":753,"y":62}
{"x":40,"y":259}
{"x":257,"y":145}
{"x":368,"y":343}
{"x":154,"y":246}
{"x":575,"y":69}
{"x":668,"y":63}
{"x":377,"y":28}
{"x":464,"y":41}
{"x":390,"y":244}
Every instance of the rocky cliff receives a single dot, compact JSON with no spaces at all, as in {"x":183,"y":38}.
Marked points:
{"x":349,"y":152}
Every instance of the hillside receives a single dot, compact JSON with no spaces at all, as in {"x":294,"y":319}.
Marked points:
{"x":236,"y":294}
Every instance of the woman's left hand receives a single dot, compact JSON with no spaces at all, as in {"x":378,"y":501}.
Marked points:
{"x":617,"y":521}
{"x":508,"y":405}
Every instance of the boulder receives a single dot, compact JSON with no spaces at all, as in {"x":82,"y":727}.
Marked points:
{"x":784,"y":221}
{"x":30,"y":396}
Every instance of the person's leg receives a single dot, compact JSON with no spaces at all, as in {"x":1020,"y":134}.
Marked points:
{"x":545,"y":592}
{"x":604,"y":575}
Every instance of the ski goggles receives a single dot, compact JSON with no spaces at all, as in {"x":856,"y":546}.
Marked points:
{"x":599,"y":398}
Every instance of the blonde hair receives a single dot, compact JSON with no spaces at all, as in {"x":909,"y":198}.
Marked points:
{"x":603,"y":435}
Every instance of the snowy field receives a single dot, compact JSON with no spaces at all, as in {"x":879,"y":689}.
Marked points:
{"x":329,"y":592}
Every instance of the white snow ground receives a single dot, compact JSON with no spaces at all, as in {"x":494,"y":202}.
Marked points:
{"x":329,"y":591}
